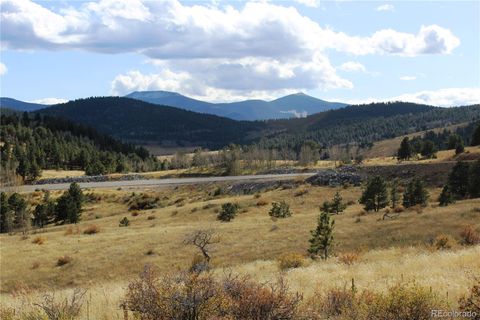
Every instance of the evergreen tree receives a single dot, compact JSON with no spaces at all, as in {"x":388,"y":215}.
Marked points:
{"x":44,"y":212}
{"x":40,"y":217}
{"x":375,"y":195}
{"x":459,"y":148}
{"x":458,"y":180}
{"x":474,"y":180}
{"x":229,"y":211}
{"x":446,"y":197}
{"x":336,"y":206}
{"x":69,"y":205}
{"x":453,"y":141}
{"x":19,"y":207}
{"x":280,"y":210}
{"x":322,"y":236}
{"x":476,"y":136}
{"x":405,"y":150}
{"x":394,"y":197}
{"x":415,"y":193}
{"x":6,"y":214}
{"x":428,"y":149}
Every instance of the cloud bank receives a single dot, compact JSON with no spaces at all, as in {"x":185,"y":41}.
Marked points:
{"x":210,"y":50}
{"x":447,"y":97}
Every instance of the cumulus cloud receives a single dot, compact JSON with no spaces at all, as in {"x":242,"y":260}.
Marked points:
{"x":385,"y":7}
{"x":408,"y":78}
{"x":3,"y":69}
{"x":309,"y":3}
{"x":49,"y":101}
{"x":190,"y":85}
{"x":261,"y":46}
{"x":447,"y":97}
{"x":352,"y":66}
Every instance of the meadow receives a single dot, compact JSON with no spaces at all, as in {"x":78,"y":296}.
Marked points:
{"x":372,"y":251}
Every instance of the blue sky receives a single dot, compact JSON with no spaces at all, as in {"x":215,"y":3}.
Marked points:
{"x":425,"y":52}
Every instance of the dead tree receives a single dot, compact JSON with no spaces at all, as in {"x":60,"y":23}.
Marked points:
{"x":202,"y":239}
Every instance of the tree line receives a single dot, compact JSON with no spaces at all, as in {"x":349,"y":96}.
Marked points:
{"x":16,"y":216}
{"x":428,"y":145}
{"x":32,"y":143}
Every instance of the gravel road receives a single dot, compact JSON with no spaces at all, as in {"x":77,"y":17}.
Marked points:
{"x":163,"y":182}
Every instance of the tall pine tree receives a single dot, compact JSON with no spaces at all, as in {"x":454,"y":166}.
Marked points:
{"x":322,"y":237}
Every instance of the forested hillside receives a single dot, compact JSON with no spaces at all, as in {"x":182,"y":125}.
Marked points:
{"x":365,"y":124}
{"x":141,"y":122}
{"x":30,"y":144}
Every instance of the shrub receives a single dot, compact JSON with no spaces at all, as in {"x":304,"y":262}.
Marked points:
{"x":399,"y":209}
{"x":67,"y":309}
{"x":143,"y":202}
{"x":151,"y":218}
{"x":403,"y":301}
{"x":64,"y":260}
{"x":262,"y":202}
{"x":228,"y":212}
{"x":39,"y":240}
{"x":280,"y":210}
{"x":70,"y":230}
{"x":443,"y":242}
{"x":251,"y":300}
{"x":471,"y":303}
{"x":470,"y":236}
{"x":200,"y":296}
{"x":135,"y":213}
{"x":34,"y":266}
{"x":348,"y":258}
{"x":290,"y":260}
{"x":175,"y":296}
{"x":301,"y":192}
{"x":91,"y":229}
{"x":124,"y":222}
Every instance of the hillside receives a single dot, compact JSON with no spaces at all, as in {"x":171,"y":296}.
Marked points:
{"x":291,"y":106}
{"x":20,"y":105}
{"x":144,"y":123}
{"x":364,"y":124}
{"x":140,"y":122}
{"x":30,"y":145}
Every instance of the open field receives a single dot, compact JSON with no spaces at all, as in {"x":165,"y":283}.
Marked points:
{"x":387,"y":250}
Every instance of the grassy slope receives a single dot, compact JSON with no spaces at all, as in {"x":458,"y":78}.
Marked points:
{"x":116,"y":253}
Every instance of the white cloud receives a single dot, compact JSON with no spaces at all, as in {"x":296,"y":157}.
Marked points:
{"x":261,"y":46}
{"x":309,"y":3}
{"x":189,"y":85}
{"x":352,"y":66}
{"x":49,"y":101}
{"x":385,"y":7}
{"x":447,"y":97}
{"x":3,"y":69}
{"x":408,"y":78}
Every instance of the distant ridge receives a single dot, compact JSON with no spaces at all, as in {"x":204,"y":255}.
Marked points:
{"x":291,"y":106}
{"x":20,"y":105}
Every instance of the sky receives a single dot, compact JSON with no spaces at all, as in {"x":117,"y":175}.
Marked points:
{"x":219,"y":51}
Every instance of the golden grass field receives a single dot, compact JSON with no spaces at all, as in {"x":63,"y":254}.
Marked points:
{"x":388,"y":250}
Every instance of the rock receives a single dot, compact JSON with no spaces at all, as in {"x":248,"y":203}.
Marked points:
{"x":337,"y":177}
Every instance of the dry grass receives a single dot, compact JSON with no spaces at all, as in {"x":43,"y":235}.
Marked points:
{"x":250,"y":244}
{"x":53,"y":174}
{"x":246,"y":239}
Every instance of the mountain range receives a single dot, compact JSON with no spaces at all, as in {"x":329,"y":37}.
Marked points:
{"x":291,"y":106}
{"x":20,"y":105}
{"x":143,"y":123}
